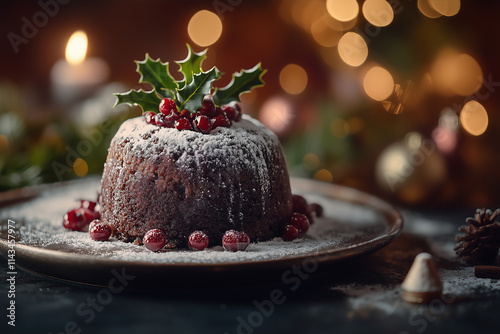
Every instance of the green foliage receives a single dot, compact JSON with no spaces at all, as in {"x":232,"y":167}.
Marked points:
{"x":242,"y":82}
{"x":190,"y":97}
{"x":188,"y":93}
{"x":156,"y":73}
{"x":148,"y":101}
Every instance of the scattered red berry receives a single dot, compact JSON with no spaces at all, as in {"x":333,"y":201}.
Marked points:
{"x":92,"y":206}
{"x":220,"y":120}
{"x":99,"y":231}
{"x":291,"y":233}
{"x":183,"y":124}
{"x":301,"y":222}
{"x":243,"y":241}
{"x":300,"y":205}
{"x":235,"y":241}
{"x":203,"y":123}
{"x":154,"y":240}
{"x":186,"y":114}
{"x":149,"y":116}
{"x":168,"y":106}
{"x":317,"y":209}
{"x":78,"y":219}
{"x":230,"y":240}
{"x":198,"y":240}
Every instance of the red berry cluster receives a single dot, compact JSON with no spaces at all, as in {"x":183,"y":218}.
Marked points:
{"x":79,"y":219}
{"x":203,"y":120}
{"x":302,"y":218}
{"x":232,"y":240}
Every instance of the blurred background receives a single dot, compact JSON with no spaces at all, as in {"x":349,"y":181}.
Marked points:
{"x":397,"y":98}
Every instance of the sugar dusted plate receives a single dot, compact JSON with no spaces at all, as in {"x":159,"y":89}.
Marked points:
{"x":354,"y":224}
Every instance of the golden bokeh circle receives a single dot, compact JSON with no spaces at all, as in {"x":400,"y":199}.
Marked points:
{"x":378,"y":12}
{"x":342,"y":10}
{"x":445,"y":7}
{"x":353,"y":49}
{"x":426,"y":9}
{"x":204,"y":28}
{"x":293,"y":79}
{"x":474,"y":118}
{"x":378,"y":83}
{"x":323,"y":34}
{"x":80,"y":167}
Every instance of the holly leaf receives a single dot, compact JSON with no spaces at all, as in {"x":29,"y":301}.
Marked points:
{"x":191,"y":65}
{"x":190,"y":97}
{"x":156,"y":73}
{"x":241,"y":82}
{"x":147,"y":100}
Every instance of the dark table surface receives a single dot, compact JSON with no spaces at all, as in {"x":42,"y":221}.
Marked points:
{"x":361,"y":295}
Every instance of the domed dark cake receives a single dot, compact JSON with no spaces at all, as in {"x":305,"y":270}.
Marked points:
{"x":183,"y":181}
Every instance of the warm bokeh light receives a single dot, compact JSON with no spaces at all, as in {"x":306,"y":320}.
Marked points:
{"x":323,"y":175}
{"x":353,"y":49}
{"x":77,"y":47}
{"x":474,"y":118}
{"x":342,"y":10}
{"x":311,"y":161}
{"x":205,"y":28}
{"x":323,"y":34}
{"x":335,"y":24}
{"x":378,"y":12}
{"x":378,"y":83}
{"x":426,"y":9}
{"x":80,"y":167}
{"x":277,"y":114}
{"x":293,"y":79}
{"x":339,"y":128}
{"x":445,"y":7}
{"x":313,"y":10}
{"x":469,"y":76}
{"x":455,"y":73}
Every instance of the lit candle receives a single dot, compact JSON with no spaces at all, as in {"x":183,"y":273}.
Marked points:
{"x":76,"y":76}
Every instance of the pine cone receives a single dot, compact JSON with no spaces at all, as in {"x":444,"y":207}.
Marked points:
{"x":480,"y":240}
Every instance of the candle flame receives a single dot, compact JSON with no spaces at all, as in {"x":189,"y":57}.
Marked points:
{"x":77,"y":47}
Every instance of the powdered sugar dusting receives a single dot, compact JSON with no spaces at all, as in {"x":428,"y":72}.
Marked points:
{"x":194,"y":147}
{"x":40,"y":225}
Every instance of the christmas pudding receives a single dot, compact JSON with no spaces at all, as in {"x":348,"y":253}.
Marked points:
{"x":183,"y":181}
{"x":193,"y":170}
{"x":193,"y":162}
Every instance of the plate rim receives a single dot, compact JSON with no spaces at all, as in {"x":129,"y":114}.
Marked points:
{"x":393,"y":219}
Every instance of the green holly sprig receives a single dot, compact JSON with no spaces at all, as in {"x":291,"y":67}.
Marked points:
{"x":187,"y":93}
